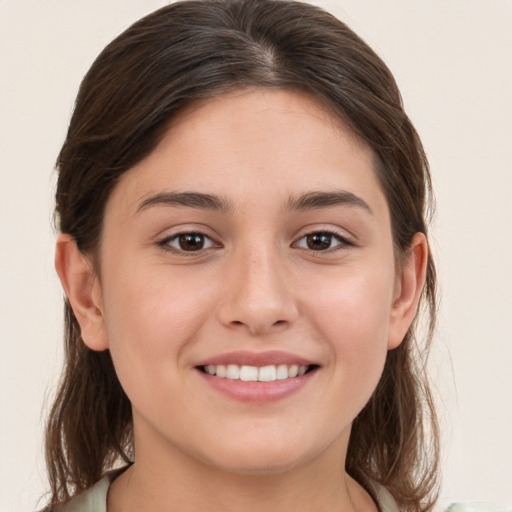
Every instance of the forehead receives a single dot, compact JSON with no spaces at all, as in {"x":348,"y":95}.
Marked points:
{"x":254,"y":143}
{"x":282,"y":115}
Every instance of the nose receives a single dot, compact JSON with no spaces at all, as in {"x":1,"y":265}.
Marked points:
{"x":258,"y":294}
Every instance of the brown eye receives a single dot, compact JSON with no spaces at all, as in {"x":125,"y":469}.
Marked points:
{"x":189,"y":242}
{"x":322,"y":241}
{"x":319,"y":241}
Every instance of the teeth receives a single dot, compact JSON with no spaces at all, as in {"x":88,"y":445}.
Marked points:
{"x":249,"y":373}
{"x":232,"y":371}
{"x":293,"y":370}
{"x":282,"y":372}
{"x":254,"y":373}
{"x":267,"y":373}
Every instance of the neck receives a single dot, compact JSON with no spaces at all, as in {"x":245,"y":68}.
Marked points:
{"x":169,"y":479}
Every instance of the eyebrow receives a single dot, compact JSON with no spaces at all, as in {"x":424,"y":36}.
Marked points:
{"x":187,"y":199}
{"x":308,"y":201}
{"x":318,"y":200}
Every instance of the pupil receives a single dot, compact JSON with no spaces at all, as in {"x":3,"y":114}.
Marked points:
{"x":319,"y":241}
{"x":191,"y":241}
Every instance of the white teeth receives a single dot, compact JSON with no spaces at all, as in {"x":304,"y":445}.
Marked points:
{"x":282,"y":372}
{"x":267,"y":373}
{"x":249,"y":373}
{"x":232,"y":371}
{"x":254,"y":373}
{"x":293,"y":370}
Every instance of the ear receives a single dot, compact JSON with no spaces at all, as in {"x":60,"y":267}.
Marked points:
{"x":408,"y":290}
{"x":82,"y":288}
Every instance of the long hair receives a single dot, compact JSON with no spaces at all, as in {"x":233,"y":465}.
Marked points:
{"x":198,"y":49}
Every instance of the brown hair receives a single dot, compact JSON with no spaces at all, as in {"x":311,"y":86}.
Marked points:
{"x":199,"y":49}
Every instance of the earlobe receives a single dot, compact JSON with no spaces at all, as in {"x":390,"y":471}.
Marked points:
{"x":409,"y":290}
{"x":82,"y":288}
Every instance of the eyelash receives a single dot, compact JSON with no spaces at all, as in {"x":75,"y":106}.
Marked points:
{"x":166,"y":242}
{"x":343,"y":242}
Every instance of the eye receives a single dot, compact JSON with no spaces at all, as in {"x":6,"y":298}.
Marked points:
{"x":188,"y":242}
{"x":322,"y":241}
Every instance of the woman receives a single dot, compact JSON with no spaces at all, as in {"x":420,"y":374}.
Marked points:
{"x":242,"y":204}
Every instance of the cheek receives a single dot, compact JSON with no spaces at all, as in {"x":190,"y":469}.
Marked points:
{"x":150,"y":318}
{"x":356,"y":305}
{"x":354,"y":319}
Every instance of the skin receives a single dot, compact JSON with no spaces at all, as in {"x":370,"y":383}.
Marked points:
{"x":256,"y":285}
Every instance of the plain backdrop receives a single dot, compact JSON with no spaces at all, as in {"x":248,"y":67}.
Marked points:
{"x":453,"y":62}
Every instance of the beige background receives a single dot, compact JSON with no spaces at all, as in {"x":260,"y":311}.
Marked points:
{"x":453,"y":62}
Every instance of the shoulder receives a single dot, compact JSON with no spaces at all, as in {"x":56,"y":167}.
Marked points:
{"x":387,"y":503}
{"x":384,"y":499}
{"x":477,"y":506}
{"x":91,"y":500}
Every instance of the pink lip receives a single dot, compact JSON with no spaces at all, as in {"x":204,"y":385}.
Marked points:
{"x":256,"y":392}
{"x":246,"y":357}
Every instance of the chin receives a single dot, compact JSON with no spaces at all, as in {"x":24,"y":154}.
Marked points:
{"x":263,"y":458}
{"x":261,"y":467}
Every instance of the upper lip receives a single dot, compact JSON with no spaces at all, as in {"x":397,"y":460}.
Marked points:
{"x":248,"y":358}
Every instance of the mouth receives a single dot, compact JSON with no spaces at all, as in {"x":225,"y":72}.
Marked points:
{"x":248,"y":373}
{"x":257,"y":377}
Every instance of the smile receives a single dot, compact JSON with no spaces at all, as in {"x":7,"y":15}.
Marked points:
{"x":248,"y":373}
{"x":257,"y":377}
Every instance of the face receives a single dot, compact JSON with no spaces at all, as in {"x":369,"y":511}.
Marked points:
{"x":248,"y":289}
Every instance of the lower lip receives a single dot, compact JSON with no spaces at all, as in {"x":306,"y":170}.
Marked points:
{"x":259,"y":392}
